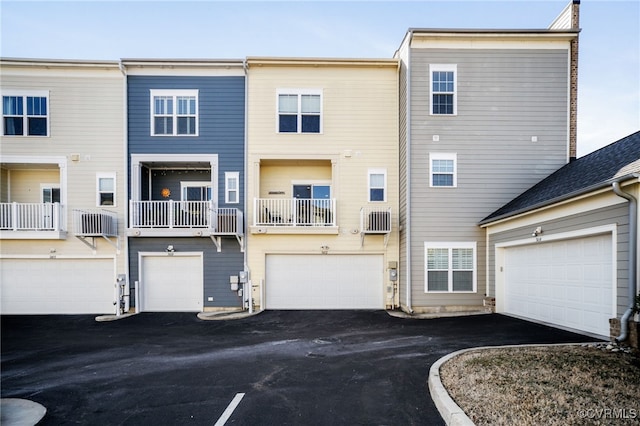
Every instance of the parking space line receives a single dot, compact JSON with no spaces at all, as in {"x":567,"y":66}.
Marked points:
{"x":230,"y":408}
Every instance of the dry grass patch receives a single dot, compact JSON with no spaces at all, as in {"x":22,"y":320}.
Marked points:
{"x":550,"y":385}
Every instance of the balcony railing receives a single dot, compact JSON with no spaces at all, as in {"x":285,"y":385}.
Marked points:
{"x":294,"y":212}
{"x":95,"y":223}
{"x":185,"y":215}
{"x":32,"y":217}
{"x":375,"y":220}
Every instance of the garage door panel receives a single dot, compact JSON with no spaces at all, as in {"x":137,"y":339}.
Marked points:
{"x":172,"y":283}
{"x":575,"y":288}
{"x":324,"y":282}
{"x":57,"y":286}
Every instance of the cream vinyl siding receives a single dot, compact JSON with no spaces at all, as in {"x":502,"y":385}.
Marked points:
{"x":86,"y":127}
{"x":359,"y":132}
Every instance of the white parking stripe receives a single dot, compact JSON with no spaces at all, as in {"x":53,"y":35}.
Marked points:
{"x":230,"y":408}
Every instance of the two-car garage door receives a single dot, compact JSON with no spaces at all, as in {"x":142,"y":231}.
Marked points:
{"x":309,"y":281}
{"x":568,"y":283}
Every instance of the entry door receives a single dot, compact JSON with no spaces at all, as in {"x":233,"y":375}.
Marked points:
{"x":50,"y":194}
{"x":312,"y":200}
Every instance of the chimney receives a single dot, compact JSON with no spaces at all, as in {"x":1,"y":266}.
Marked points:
{"x":573,"y":83}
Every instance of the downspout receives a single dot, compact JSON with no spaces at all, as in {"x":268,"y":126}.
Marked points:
{"x":248,"y":291}
{"x":125,"y":181}
{"x":633,"y":260}
{"x":408,"y":131}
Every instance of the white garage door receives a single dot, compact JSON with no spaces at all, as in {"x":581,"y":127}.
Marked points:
{"x":568,"y":283}
{"x":324,"y":282}
{"x":171,"y":283}
{"x":57,"y":286}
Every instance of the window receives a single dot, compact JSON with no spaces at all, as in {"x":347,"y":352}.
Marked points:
{"x":231,"y":187}
{"x":195,"y":191}
{"x":174,"y":112}
{"x":299,"y":111}
{"x":443,"y":170}
{"x":443,"y":89}
{"x":377,"y":185}
{"x":106,"y":189}
{"x":50,"y":193}
{"x":25,"y":114}
{"x":450,"y":267}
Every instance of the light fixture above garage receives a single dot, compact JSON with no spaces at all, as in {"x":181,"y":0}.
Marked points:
{"x":170,"y":249}
{"x":537,"y":232}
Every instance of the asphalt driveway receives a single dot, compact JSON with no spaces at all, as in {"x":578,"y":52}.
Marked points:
{"x":293,"y":367}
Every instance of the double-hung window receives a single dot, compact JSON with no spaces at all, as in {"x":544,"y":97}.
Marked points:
{"x":106,"y":189}
{"x":299,"y":111}
{"x":450,"y":267}
{"x":25,"y":114}
{"x":174,"y":112}
{"x":443,"y":89}
{"x":231,"y":184}
{"x":443,"y":170}
{"x":377,"y":185}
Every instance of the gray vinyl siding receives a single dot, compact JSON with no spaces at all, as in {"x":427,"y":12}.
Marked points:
{"x":618,"y":214}
{"x":402,"y":181}
{"x":504,"y":97}
{"x":218,"y":267}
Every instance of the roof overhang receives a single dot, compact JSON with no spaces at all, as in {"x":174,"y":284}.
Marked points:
{"x":321,"y":62}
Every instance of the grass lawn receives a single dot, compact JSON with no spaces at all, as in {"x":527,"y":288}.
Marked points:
{"x":550,"y":385}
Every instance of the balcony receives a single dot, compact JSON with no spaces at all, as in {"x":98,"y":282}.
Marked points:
{"x":375,"y":220}
{"x":291,"y":215}
{"x":32,"y":221}
{"x":185,"y":219}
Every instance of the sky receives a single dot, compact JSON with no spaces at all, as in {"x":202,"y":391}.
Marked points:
{"x":609,"y":63}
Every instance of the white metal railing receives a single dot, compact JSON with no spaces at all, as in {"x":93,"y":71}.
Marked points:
{"x":172,"y":214}
{"x":375,"y":220}
{"x":294,"y":212}
{"x":32,"y":217}
{"x":95,"y":222}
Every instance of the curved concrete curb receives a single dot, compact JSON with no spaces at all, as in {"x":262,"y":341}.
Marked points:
{"x":226,"y":315}
{"x":448,"y":409}
{"x":431,"y":315}
{"x":20,"y":412}
{"x":106,"y":318}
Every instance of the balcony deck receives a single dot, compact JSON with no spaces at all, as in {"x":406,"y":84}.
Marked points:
{"x":32,"y":221}
{"x":294,"y":215}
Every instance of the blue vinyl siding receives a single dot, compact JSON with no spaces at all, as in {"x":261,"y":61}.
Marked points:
{"x":220,"y":116}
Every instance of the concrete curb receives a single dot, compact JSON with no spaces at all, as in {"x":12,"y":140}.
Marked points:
{"x":431,"y":315}
{"x":107,"y":318}
{"x":451,"y":413}
{"x":226,"y":315}
{"x":20,"y":412}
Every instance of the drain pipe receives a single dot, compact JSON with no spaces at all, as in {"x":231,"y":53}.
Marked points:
{"x":633,"y":261}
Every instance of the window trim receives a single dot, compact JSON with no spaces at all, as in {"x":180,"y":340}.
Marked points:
{"x":24,"y":94}
{"x":443,"y":156}
{"x":106,"y":175}
{"x":447,"y":68}
{"x":299,"y":93}
{"x":382,"y":172}
{"x":184,"y":184}
{"x":450,"y":246}
{"x":175,"y":94}
{"x":227,"y":190}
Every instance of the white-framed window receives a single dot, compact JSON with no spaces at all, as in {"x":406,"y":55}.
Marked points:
{"x":299,"y":111}
{"x":49,"y":193}
{"x":377,"y":183}
{"x":450,"y":267}
{"x":25,"y":113}
{"x":443,"y":170}
{"x":443,"y":89}
{"x":195,"y":191}
{"x":174,"y":113}
{"x":232,"y":187}
{"x":105,"y":189}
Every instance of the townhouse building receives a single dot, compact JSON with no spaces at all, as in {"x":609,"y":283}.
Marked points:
{"x":62,"y":187}
{"x":185,"y":160}
{"x":484,"y":115}
{"x":322,"y":183}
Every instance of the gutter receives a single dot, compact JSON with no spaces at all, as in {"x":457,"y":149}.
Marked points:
{"x":633,"y":258}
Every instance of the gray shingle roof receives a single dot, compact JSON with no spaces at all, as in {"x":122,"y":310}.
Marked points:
{"x":587,"y":173}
